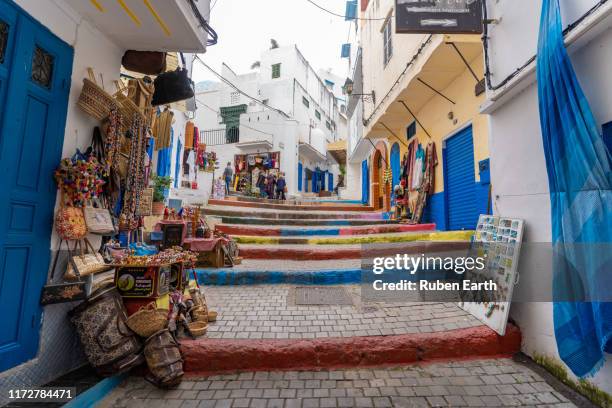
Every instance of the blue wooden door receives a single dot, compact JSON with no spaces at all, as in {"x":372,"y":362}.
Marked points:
{"x":330,"y":181}
{"x":365,"y":182}
{"x":300,"y":176}
{"x":395,"y":169}
{"x":460,"y":182}
{"x":34,"y":86}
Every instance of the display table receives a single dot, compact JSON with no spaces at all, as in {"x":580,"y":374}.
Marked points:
{"x":209,"y":250}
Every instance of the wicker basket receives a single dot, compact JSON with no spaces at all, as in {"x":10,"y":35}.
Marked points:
{"x":199,"y":313}
{"x":127,"y":108}
{"x":148,"y":320}
{"x":94,"y":100}
{"x":212,"y":316}
{"x":198,"y":328}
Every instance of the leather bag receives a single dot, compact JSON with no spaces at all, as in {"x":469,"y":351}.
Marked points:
{"x":172,"y":87}
{"x":163,"y":359}
{"x":144,"y":62}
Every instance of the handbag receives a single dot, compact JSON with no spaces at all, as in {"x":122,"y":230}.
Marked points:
{"x":99,"y":220}
{"x":144,"y":62}
{"x":70,"y":222}
{"x":86,"y":263}
{"x":173,"y":86}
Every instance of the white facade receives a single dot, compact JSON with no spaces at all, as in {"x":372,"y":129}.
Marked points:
{"x":58,"y":349}
{"x":301,"y":117}
{"x":522,"y":191}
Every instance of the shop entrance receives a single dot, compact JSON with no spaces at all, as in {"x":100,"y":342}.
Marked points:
{"x":460,"y":181}
{"x":33,"y":104}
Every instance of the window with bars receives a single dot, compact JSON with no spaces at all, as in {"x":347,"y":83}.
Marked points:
{"x":276,"y":71}
{"x":387,"y":41}
{"x":306,"y":102}
{"x":328,"y":125}
{"x":318,"y":114}
{"x":234,"y":98}
{"x":4,"y":33}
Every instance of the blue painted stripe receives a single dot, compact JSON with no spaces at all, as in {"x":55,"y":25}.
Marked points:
{"x":229,"y":277}
{"x":284,"y":232}
{"x":93,"y":396}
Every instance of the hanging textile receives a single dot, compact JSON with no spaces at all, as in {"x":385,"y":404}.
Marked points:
{"x":177,"y":165}
{"x":164,"y":158}
{"x":135,"y":183}
{"x":189,"y":128}
{"x":580,"y":181}
{"x":161,"y":129}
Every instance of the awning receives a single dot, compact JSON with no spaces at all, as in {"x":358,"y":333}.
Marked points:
{"x":338,"y":151}
{"x":311,"y":153}
{"x":168,"y":25}
{"x":255,"y":144}
{"x":434,"y":70}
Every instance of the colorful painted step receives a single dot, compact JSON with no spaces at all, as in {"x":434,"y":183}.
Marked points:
{"x":284,"y":231}
{"x":293,"y":215}
{"x":215,"y":356}
{"x":449,"y":236}
{"x":304,"y":222}
{"x":234,"y":277}
{"x":291,"y":207}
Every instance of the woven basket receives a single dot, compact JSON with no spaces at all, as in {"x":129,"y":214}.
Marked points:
{"x":94,"y":100}
{"x":198,"y":328}
{"x":199,"y":313}
{"x":148,"y":320}
{"x":127,"y":108}
{"x":212,"y":316}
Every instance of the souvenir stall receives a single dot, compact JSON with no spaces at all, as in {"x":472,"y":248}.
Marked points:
{"x":139,"y":291}
{"x":416,"y":181}
{"x":250,"y":168}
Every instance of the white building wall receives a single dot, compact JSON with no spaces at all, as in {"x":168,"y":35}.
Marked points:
{"x":522,"y":191}
{"x":59,"y":349}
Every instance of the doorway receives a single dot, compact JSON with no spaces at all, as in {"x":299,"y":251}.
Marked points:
{"x":35,"y":69}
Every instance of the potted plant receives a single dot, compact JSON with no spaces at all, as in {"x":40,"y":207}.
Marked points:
{"x":160,"y":185}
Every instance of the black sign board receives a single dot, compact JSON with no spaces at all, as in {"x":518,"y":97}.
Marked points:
{"x":438,"y":16}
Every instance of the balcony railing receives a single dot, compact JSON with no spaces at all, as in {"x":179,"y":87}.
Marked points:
{"x":218,"y":137}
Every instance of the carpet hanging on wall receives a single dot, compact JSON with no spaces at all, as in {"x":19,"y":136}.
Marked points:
{"x":580,"y":181}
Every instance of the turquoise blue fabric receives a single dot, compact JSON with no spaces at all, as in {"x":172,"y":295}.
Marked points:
{"x":580,"y":180}
{"x":164,"y":158}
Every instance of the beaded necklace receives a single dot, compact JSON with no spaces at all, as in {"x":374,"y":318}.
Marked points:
{"x":135,"y":182}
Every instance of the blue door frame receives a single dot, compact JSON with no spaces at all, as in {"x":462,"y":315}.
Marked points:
{"x":31,"y":140}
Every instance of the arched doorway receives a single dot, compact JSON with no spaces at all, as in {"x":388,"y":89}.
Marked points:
{"x":381,"y":192}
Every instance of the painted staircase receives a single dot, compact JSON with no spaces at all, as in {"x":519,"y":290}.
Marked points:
{"x":288,"y":245}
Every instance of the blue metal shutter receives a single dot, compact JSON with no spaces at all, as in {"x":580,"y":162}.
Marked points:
{"x":460,"y":181}
{"x":299,"y":176}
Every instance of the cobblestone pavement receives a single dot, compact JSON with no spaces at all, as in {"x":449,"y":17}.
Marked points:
{"x":481,"y":383}
{"x":268,"y":312}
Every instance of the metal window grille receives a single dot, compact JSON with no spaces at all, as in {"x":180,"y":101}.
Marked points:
{"x":276,"y":71}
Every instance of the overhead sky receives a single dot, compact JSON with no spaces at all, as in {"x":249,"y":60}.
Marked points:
{"x":245,"y":28}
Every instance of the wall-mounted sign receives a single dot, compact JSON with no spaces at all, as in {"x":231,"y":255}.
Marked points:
{"x":438,"y":16}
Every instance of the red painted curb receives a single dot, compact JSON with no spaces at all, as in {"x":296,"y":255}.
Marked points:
{"x":311,"y":254}
{"x":250,"y":230}
{"x":291,"y":207}
{"x":208,"y":356}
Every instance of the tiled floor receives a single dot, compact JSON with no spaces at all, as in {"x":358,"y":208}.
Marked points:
{"x":268,"y":312}
{"x":481,"y":383}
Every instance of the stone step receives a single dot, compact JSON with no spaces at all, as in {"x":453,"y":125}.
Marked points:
{"x":356,"y":239}
{"x":293,"y":206}
{"x":288,"y":231}
{"x":304,"y":222}
{"x":292,"y":215}
{"x":264,"y":327}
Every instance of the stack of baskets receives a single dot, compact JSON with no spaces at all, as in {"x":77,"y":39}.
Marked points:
{"x":97,"y":103}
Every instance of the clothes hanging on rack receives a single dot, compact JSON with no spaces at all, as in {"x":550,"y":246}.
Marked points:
{"x":161,"y":129}
{"x":189,"y":128}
